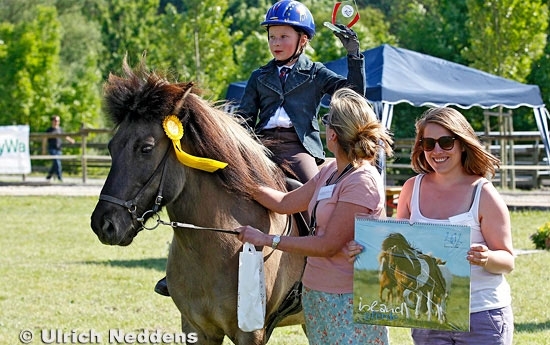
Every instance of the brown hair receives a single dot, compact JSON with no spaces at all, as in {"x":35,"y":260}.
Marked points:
{"x":475,"y":159}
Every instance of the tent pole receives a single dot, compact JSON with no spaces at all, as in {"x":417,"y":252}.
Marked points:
{"x":541,"y":115}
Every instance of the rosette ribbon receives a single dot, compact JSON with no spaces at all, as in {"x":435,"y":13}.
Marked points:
{"x":174,"y":130}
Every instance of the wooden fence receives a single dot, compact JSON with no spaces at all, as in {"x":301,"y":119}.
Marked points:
{"x":527,"y":164}
{"x":89,"y":150}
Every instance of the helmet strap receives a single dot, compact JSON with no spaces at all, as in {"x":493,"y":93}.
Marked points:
{"x":297,"y":52}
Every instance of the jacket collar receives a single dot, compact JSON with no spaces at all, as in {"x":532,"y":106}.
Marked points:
{"x":303,"y":63}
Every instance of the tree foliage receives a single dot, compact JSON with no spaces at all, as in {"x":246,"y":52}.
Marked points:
{"x":507,"y":36}
{"x":30,"y":77}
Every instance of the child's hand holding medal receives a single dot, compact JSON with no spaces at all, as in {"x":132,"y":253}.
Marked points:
{"x":342,"y":12}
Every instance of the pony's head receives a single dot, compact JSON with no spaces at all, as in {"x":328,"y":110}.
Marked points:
{"x":395,"y":239}
{"x":147,"y":173}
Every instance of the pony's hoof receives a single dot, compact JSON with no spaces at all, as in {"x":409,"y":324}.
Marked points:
{"x":162,"y":288}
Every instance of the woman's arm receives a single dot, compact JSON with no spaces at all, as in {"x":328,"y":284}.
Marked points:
{"x":285,"y":203}
{"x":404,"y":201}
{"x":340,"y":230}
{"x":498,"y":256}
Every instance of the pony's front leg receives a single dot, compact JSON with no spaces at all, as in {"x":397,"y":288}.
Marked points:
{"x":441,"y":311}
{"x":253,"y":338}
{"x":405,"y":308}
{"x":418,"y":304}
{"x":407,"y":300}
{"x":201,"y":336}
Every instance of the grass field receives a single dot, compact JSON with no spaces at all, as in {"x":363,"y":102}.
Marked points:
{"x":57,"y":277}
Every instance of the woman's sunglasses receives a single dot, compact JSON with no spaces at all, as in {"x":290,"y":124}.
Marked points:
{"x":326,"y":119}
{"x":446,"y":143}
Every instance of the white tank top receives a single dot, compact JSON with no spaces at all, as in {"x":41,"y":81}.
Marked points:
{"x":487,"y":290}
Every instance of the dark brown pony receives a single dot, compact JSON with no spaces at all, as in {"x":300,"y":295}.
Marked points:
{"x":145,"y":176}
{"x":416,"y":274}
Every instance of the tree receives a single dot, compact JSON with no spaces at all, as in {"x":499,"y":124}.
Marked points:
{"x":201,"y":44}
{"x":433,"y":27}
{"x":248,"y":35}
{"x":30,"y":69}
{"x":540,"y":73}
{"x":128,"y":28}
{"x":81,"y":48}
{"x":506,"y":36}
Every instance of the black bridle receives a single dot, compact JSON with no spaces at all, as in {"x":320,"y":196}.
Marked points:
{"x":131,"y":205}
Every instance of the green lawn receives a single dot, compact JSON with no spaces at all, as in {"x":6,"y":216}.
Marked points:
{"x":56,"y":275}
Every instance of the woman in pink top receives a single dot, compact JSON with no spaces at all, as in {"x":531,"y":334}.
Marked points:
{"x":349,"y":185}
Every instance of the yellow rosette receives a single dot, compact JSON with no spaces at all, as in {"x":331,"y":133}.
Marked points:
{"x":174,"y":130}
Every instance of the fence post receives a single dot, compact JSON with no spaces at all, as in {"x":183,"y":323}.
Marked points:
{"x":83,"y":161}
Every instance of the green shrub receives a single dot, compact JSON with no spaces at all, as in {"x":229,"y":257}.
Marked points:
{"x":541,"y":238}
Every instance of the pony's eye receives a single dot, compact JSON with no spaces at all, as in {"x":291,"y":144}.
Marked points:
{"x":147,"y":149}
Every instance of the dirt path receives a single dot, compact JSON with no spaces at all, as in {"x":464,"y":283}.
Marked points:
{"x":39,"y":186}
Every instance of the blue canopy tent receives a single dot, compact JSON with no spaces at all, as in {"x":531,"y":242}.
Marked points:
{"x":397,"y":75}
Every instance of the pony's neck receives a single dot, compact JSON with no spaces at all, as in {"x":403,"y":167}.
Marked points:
{"x":204,"y":202}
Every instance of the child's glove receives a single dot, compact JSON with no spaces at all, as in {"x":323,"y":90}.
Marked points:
{"x":349,"y":40}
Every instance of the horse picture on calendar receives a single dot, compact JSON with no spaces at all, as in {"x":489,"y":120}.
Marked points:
{"x":412,"y":274}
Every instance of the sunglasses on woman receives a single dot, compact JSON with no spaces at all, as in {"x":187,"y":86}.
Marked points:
{"x":446,"y":143}
{"x":326,"y":119}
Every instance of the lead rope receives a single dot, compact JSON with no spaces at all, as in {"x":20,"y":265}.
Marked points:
{"x":159,"y":221}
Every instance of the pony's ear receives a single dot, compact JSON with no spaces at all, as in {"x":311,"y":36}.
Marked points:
{"x":186,"y":91}
{"x":187,"y":88}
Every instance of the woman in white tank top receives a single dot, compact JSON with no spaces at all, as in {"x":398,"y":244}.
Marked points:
{"x":452,"y":188}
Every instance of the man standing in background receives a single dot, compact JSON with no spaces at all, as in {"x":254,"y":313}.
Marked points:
{"x":54,"y":147}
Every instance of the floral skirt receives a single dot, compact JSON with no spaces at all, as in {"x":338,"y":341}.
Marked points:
{"x":329,"y":321}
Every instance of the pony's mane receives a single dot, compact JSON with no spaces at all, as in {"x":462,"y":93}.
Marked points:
{"x":209,"y":131}
{"x":398,"y":240}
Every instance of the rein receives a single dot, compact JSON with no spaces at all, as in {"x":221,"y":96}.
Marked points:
{"x":287,"y":231}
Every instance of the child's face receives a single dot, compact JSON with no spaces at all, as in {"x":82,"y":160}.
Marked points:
{"x":282,"y":41}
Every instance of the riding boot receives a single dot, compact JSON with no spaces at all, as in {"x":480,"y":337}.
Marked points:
{"x":162,"y":288}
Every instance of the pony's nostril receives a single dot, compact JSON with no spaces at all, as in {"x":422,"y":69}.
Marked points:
{"x":106,"y":233}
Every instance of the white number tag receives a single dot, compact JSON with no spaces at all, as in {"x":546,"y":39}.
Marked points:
{"x":325,"y":192}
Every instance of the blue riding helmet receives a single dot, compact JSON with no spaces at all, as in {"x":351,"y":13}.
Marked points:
{"x":293,"y":13}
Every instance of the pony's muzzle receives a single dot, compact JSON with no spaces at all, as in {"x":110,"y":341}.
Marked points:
{"x":109,"y":232}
